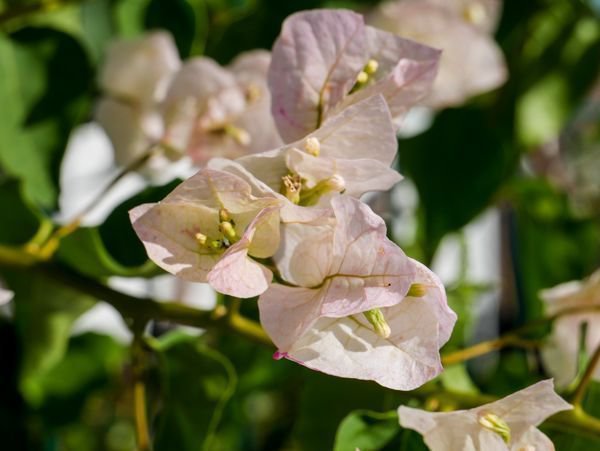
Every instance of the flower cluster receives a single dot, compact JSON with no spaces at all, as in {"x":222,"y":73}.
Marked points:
{"x":195,"y":108}
{"x":286,"y":224}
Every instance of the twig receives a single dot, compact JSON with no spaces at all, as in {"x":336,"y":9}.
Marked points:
{"x":512,"y":337}
{"x":51,"y":245}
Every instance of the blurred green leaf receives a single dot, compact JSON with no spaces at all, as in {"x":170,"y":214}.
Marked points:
{"x":113,"y":248}
{"x":457,"y":166}
{"x":44,"y":314}
{"x":455,"y":378}
{"x":366,"y":430}
{"x":196,"y":383}
{"x":316,"y":425}
{"x":13,"y":410}
{"x":564,"y":441}
{"x":550,"y":245}
{"x":543,"y":110}
{"x":85,"y":251}
{"x":44,"y":94}
{"x":19,"y":223}
{"x":118,"y":235}
{"x":129,"y":16}
{"x":92,"y":362}
{"x":176,"y":16}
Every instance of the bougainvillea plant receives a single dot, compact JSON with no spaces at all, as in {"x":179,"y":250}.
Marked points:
{"x":271,"y":184}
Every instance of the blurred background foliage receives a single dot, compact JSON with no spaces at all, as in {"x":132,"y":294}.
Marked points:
{"x":217,"y":391}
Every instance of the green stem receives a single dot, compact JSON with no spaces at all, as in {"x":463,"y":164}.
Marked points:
{"x":51,"y":245}
{"x":17,"y":11}
{"x":580,"y":389}
{"x":512,"y":337}
{"x":144,"y":309}
{"x":140,"y":411}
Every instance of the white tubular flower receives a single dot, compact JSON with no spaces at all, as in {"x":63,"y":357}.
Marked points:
{"x":505,"y":425}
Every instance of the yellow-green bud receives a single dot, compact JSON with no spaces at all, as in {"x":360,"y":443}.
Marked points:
{"x":371,"y":67}
{"x":496,"y":424}
{"x":312,"y":195}
{"x":215,"y":244}
{"x":377,"y":320}
{"x":362,"y":77}
{"x":228,"y":231}
{"x":312,"y":146}
{"x":417,"y":290}
{"x":240,"y":135}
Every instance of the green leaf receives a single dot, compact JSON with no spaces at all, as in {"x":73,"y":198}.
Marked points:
{"x":85,"y":251}
{"x":92,"y":362}
{"x":129,"y":16}
{"x":46,"y":81}
{"x":113,"y":249}
{"x":176,"y":16}
{"x":366,"y":430}
{"x":455,"y":378}
{"x":315,"y":427}
{"x":565,"y":441}
{"x":44,"y":314}
{"x":196,"y":383}
{"x":19,"y":222}
{"x":457,"y":166}
{"x":118,"y":235}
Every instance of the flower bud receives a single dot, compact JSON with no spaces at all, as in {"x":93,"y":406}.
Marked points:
{"x":371,"y":67}
{"x":216,"y":245}
{"x":417,"y":290}
{"x":377,"y":320}
{"x":336,"y":183}
{"x":362,"y":77}
{"x":228,"y":231}
{"x":496,"y":424}
{"x":312,"y":146}
{"x":240,"y":135}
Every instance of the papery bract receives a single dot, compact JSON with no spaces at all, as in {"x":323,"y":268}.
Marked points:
{"x":212,"y":111}
{"x":205,"y":229}
{"x":131,"y":130}
{"x":507,"y":424}
{"x":139,"y":70}
{"x":343,"y":267}
{"x":561,"y":351}
{"x":5,"y":295}
{"x":134,"y":79}
{"x":318,"y":57}
{"x":471,"y":61}
{"x":357,"y":146}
